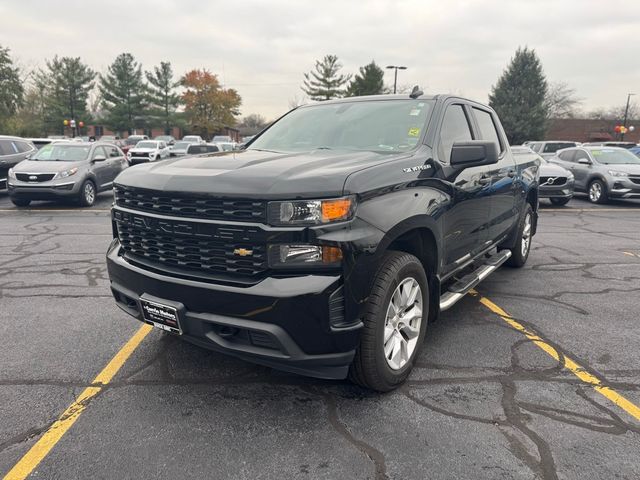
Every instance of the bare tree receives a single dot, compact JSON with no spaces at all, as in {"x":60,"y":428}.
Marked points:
{"x":561,"y":101}
{"x":296,"y":102}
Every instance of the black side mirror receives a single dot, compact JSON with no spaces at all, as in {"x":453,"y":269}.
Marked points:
{"x":473,"y":153}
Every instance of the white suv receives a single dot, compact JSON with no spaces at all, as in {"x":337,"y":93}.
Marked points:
{"x":148,"y":151}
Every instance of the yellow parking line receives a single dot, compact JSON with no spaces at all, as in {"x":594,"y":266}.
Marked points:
{"x":569,"y":364}
{"x":52,"y":436}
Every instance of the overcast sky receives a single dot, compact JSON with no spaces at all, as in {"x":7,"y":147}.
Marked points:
{"x":262,"y":48}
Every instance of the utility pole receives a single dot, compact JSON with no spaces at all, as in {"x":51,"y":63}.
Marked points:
{"x":395,"y":76}
{"x":626,"y":112}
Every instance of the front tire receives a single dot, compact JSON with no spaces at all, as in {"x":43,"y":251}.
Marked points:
{"x":598,"y":192}
{"x":520,"y":251}
{"x":21,"y":202}
{"x":394,"y":324}
{"x":88,"y":194}
{"x":560,"y":202}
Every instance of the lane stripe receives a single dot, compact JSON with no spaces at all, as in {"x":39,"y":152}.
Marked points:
{"x":569,"y":363}
{"x":56,"y":431}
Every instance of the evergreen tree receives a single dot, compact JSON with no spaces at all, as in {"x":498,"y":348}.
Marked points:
{"x":11,"y":89}
{"x":519,"y":98}
{"x":123,"y":94}
{"x":324,"y":82}
{"x":162,"y":93}
{"x":369,"y":81}
{"x":66,"y":84}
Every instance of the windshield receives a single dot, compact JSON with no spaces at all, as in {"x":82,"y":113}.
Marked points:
{"x":191,"y":138}
{"x":553,"y":147}
{"x":146,"y":145}
{"x":615,"y":157}
{"x":62,"y":153}
{"x":379,"y":125}
{"x":181,"y":145}
{"x":221,"y":138}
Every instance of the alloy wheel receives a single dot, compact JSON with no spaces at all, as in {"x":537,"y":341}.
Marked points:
{"x":526,"y":235}
{"x":595,"y":192}
{"x":402,"y":323}
{"x":89,"y":193}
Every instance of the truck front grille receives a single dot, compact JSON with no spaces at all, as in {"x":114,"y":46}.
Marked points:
{"x":202,"y":249}
{"x":193,"y":206}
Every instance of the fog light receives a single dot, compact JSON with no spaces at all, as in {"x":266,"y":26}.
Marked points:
{"x":303,"y":255}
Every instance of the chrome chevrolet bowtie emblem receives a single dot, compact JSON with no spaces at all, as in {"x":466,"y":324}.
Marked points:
{"x":243,"y":252}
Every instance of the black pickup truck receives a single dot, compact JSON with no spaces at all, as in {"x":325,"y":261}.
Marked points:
{"x":329,"y":243}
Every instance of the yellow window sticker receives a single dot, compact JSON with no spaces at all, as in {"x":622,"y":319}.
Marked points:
{"x":414,"y":132}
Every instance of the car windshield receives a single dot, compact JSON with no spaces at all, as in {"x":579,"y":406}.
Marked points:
{"x":181,"y":145}
{"x":380,"y":126}
{"x":553,"y":147}
{"x":221,"y":138}
{"x":62,"y":153}
{"x":190,"y":138}
{"x":146,"y":145}
{"x":614,"y":156}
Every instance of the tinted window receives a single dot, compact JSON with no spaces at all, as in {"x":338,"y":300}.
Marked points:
{"x":553,"y":147}
{"x":212,"y":148}
{"x":455,"y":128}
{"x":196,"y":149}
{"x":5,"y":147}
{"x":113,"y":151}
{"x":487,"y":127}
{"x":23,"y":147}
{"x":581,"y":154}
{"x":567,"y":156}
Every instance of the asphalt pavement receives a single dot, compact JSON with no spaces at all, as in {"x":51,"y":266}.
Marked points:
{"x":504,"y":386}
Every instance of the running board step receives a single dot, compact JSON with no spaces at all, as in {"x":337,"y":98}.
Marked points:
{"x":466,"y":283}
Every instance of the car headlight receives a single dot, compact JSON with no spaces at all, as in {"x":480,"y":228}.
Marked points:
{"x":301,"y":256}
{"x":570,"y":176}
{"x":11,"y":174}
{"x":615,"y":173}
{"x":66,"y":173}
{"x":311,"y":212}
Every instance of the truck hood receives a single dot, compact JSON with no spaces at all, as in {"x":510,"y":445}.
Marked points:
{"x":254,"y":173}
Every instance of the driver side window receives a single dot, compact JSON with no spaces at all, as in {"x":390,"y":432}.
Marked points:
{"x":455,"y":128}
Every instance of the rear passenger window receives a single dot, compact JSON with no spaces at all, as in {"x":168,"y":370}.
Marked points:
{"x":113,"y":151}
{"x":535,"y":147}
{"x":23,"y":147}
{"x":567,"y":156}
{"x":455,"y":128}
{"x":487,"y":127}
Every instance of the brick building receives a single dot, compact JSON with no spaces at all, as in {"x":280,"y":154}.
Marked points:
{"x":589,"y":130}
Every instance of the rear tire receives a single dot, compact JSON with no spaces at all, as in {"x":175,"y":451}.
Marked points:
{"x":520,"y":251}
{"x":560,"y":202}
{"x":394,"y":324}
{"x":20,"y":202}
{"x":88,"y":194}
{"x":598,"y":192}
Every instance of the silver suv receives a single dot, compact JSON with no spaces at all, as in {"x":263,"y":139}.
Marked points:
{"x":602,"y":172}
{"x":73,"y":170}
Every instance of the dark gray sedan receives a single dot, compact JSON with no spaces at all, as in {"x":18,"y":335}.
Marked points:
{"x":12,"y":151}
{"x":74,"y":170}
{"x":602,"y":172}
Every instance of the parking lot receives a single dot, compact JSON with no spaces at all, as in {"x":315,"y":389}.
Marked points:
{"x":535,"y":376}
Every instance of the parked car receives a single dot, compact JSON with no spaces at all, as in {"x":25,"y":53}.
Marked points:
{"x":327,"y":245}
{"x":602,"y":172}
{"x":131,"y":141}
{"x":13,"y":150}
{"x":168,"y":139}
{"x":66,"y":170}
{"x":193,"y":139}
{"x":109,"y":138}
{"x":40,"y":142}
{"x":196,"y":149}
{"x":180,"y":148}
{"x":548,"y":149}
{"x":148,"y":151}
{"x":226,"y":146}
{"x":556,"y":182}
{"x":635,"y":151}
{"x":222,"y":138}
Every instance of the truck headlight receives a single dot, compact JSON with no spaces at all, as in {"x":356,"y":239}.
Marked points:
{"x":311,"y":212}
{"x":66,"y":173}
{"x":615,"y":173}
{"x":292,"y":256}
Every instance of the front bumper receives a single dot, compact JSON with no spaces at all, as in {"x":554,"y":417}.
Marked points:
{"x":65,"y":187}
{"x":137,"y":160}
{"x":622,"y":187}
{"x":282,"y":323}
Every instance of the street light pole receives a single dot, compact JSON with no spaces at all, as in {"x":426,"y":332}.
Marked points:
{"x":395,"y":75}
{"x":626,"y":112}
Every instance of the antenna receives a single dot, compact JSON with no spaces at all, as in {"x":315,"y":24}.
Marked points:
{"x":416,"y":92}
